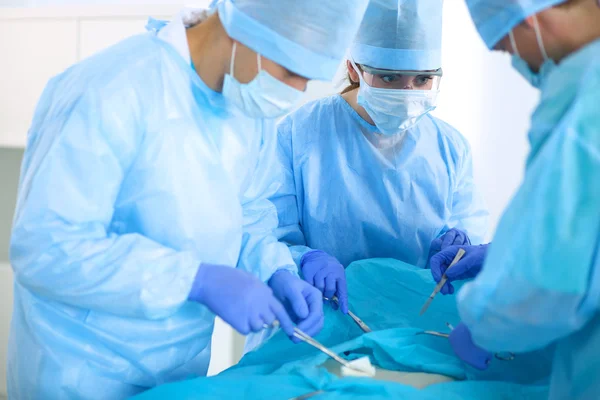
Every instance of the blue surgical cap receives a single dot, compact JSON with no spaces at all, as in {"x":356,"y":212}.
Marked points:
{"x":308,"y":37}
{"x":494,"y":19}
{"x":400,"y":35}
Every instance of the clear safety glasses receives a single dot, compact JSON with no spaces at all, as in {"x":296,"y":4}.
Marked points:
{"x":404,"y":80}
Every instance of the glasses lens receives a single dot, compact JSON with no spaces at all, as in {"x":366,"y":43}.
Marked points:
{"x":421,"y":81}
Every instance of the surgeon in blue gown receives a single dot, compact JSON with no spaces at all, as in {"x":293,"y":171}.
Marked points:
{"x":540,"y":282}
{"x":145,"y":183}
{"x":370,"y":172}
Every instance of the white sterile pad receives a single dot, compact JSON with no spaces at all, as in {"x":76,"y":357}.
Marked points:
{"x":361,"y":364}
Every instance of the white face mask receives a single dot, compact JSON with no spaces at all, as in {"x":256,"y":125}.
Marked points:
{"x":535,"y":79}
{"x":263,"y":97}
{"x":395,"y":110}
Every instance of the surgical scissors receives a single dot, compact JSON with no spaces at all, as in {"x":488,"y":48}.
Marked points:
{"x":354,"y":317}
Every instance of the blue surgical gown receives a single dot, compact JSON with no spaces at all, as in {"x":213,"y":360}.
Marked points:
{"x":357,"y":194}
{"x":135,"y":172}
{"x":540,"y":283}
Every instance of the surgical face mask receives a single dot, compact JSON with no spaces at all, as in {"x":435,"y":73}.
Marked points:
{"x":535,"y":79}
{"x":395,"y":110}
{"x":263,"y":97}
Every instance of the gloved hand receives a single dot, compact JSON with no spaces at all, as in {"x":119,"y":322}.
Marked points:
{"x":239,"y":298}
{"x":466,"y":350}
{"x":326,"y":274}
{"x":303,"y":302}
{"x":468,"y":267}
{"x":454,"y":237}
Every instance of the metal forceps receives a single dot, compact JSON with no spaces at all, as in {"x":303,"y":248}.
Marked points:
{"x":354,"y":317}
{"x":316,"y":344}
{"x":308,"y":395}
{"x":505,"y":356}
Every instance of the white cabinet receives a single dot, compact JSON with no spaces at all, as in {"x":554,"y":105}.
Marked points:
{"x":96,"y":35}
{"x":32,"y":52}
{"x":39,"y":43}
{"x":54,"y":3}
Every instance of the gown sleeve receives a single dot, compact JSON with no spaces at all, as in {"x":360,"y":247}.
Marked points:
{"x":61,"y":246}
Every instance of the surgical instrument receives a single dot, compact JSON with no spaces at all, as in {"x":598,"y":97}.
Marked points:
{"x":442,"y":282}
{"x":434,"y":333}
{"x":307,"y":395}
{"x":503,"y":356}
{"x":354,"y":317}
{"x":316,"y":344}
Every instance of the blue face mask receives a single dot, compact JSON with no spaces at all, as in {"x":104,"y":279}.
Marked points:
{"x":520,"y":65}
{"x":535,"y":79}
{"x":394,"y":111}
{"x":263,"y":97}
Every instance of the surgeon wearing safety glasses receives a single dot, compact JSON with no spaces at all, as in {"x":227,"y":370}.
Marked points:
{"x":370,"y":172}
{"x":538,"y":284}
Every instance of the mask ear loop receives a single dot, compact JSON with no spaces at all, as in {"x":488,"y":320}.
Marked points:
{"x":538,"y":35}
{"x":513,"y":43}
{"x":259,"y":62}
{"x":232,"y":62}
{"x":356,"y":69}
{"x":361,"y":79}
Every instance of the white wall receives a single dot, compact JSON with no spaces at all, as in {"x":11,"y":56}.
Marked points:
{"x":52,"y":3}
{"x":489,"y":103}
{"x":481,"y":96}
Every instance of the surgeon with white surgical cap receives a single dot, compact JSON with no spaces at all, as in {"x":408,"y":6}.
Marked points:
{"x":538,"y":284}
{"x":143,"y":204}
{"x":370,"y":172}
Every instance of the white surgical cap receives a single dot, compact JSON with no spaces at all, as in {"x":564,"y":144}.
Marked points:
{"x":400,"y":35}
{"x":494,"y":19}
{"x":308,"y":37}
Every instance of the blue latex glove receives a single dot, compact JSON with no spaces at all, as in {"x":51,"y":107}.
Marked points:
{"x":326,"y":274}
{"x":462,"y":344}
{"x":468,"y":267}
{"x":454,"y":237}
{"x":303,"y":302}
{"x":239,"y":298}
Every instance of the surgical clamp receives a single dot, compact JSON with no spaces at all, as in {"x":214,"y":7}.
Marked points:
{"x":354,"y":317}
{"x":316,"y":344}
